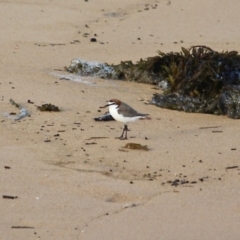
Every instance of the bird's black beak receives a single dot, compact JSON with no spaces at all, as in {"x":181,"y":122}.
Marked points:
{"x":104,"y":106}
{"x":107,"y":105}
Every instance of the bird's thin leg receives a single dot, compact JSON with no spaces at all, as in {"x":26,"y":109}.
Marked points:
{"x":125,"y":129}
{"x":121,"y":137}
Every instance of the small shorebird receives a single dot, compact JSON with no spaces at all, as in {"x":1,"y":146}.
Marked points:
{"x":122,"y":112}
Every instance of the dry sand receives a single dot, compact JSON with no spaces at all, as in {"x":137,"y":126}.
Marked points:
{"x":71,"y":186}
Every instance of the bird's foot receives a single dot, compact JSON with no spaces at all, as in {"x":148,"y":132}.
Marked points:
{"x":121,"y":138}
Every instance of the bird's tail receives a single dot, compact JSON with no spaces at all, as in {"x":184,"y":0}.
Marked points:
{"x":145,"y":117}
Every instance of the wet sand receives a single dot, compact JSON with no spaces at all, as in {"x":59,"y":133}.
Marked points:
{"x":65,"y":176}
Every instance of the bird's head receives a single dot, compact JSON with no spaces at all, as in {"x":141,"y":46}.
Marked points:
{"x":112,"y":102}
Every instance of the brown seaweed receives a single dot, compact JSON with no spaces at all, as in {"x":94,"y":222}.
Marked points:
{"x":48,"y":107}
{"x":14,"y":103}
{"x":136,"y":146}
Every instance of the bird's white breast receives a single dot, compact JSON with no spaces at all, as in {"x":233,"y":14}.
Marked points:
{"x":113,"y":109}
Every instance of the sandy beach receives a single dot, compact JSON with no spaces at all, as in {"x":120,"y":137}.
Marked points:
{"x":64,"y":175}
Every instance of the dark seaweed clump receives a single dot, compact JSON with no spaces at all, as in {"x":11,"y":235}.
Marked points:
{"x":48,"y":107}
{"x":197,"y":79}
{"x":201,"y":80}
